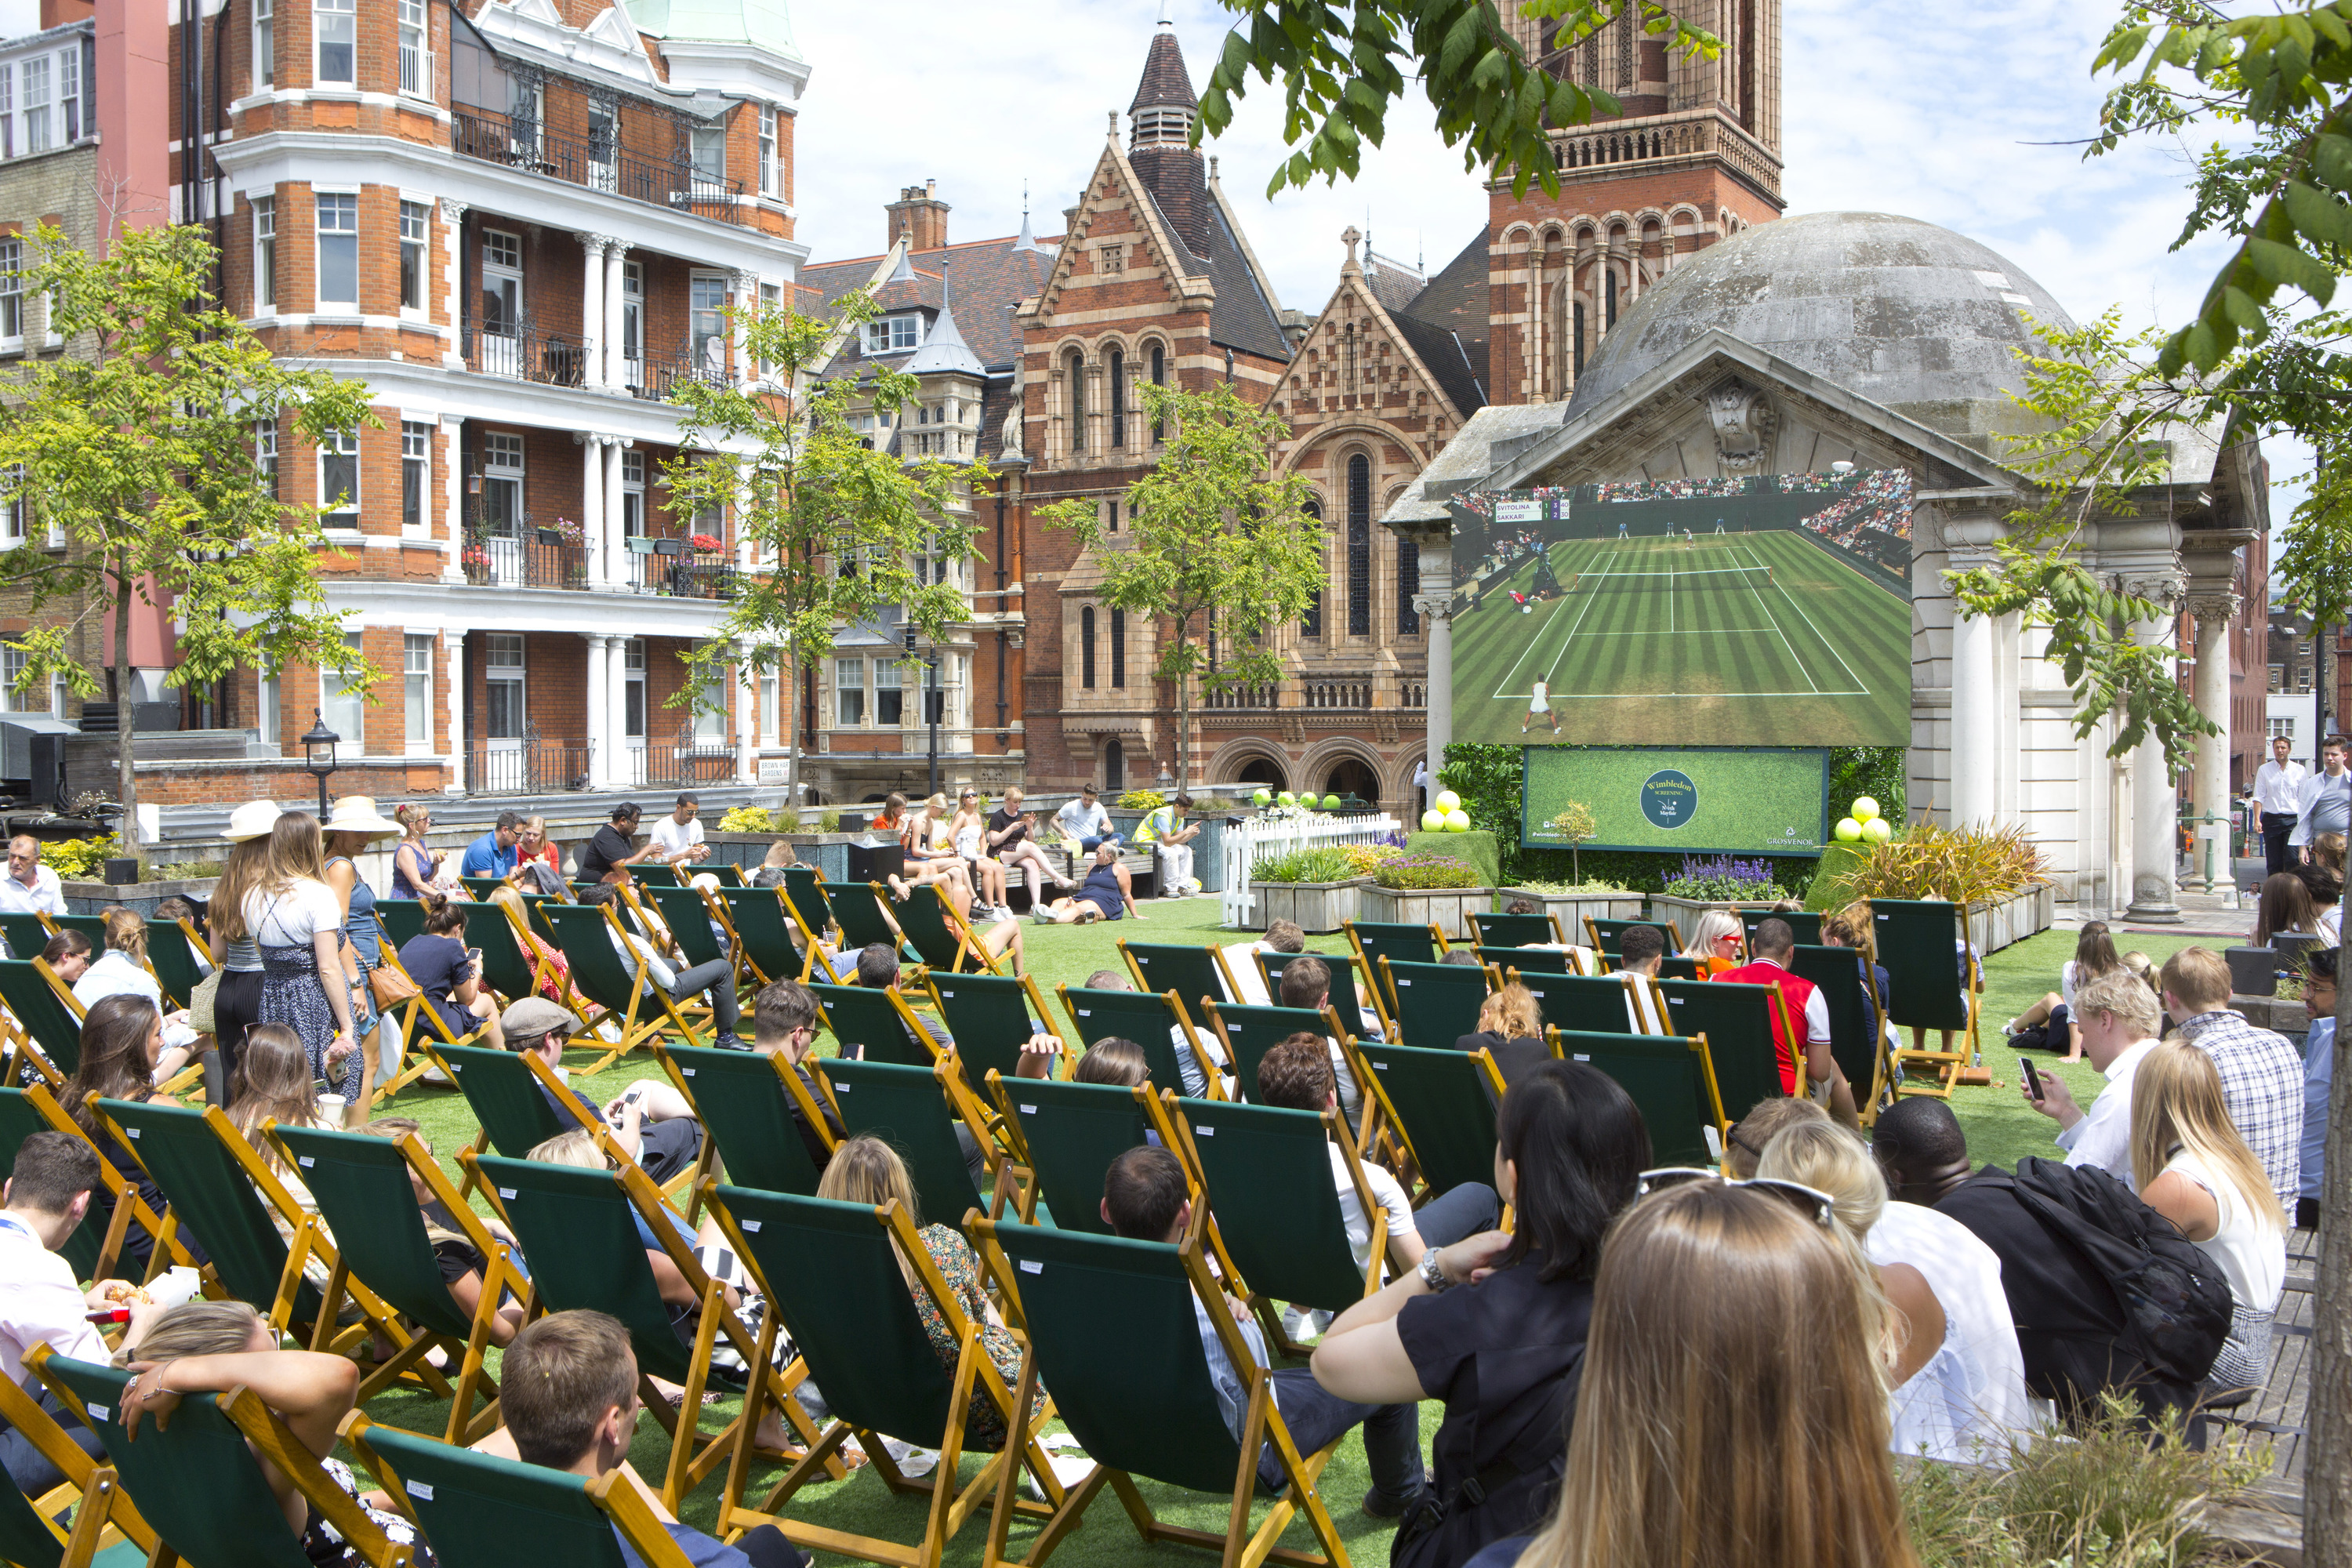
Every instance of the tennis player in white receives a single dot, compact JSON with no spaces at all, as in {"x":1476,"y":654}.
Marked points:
{"x":1539,"y":701}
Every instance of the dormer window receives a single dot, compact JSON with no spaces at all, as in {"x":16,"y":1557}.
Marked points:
{"x":895,"y":334}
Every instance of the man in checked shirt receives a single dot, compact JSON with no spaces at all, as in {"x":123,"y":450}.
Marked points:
{"x":2262,"y":1075}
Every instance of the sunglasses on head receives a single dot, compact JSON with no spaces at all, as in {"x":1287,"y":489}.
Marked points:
{"x":1810,"y":1201}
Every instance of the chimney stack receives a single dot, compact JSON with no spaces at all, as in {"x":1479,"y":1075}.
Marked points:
{"x":920,"y":213}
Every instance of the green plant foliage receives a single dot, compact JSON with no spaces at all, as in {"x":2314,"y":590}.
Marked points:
{"x":1962,"y":865}
{"x":1425,"y":872}
{"x":1839,"y":863}
{"x":1875,"y":770}
{"x":1589,"y":886}
{"x":1725,"y":883}
{"x":1324,"y":865}
{"x":1482,"y":851}
{"x":828,"y":821}
{"x":1141,"y":800}
{"x":748,"y":819}
{"x":80,"y":859}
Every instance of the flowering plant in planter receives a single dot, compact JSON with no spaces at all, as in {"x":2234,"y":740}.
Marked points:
{"x":705,"y":544}
{"x":1724,"y":880}
{"x":572,"y":532}
{"x":1422,"y":871}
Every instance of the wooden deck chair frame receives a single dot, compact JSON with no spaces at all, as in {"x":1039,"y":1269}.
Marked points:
{"x":31,"y":1030}
{"x":1026,"y":1184}
{"x":845,"y":896}
{"x":812,"y":946}
{"x":1881,"y":1054}
{"x":126,"y":1205}
{"x":499,"y":1276}
{"x":104,"y":1514}
{"x":1946,"y":1066}
{"x":1368,"y":956}
{"x":1217,"y":966}
{"x":952,"y":924}
{"x":694,"y":902}
{"x":453,"y":1068}
{"x":963,"y":1105}
{"x":387,"y":1452}
{"x":639,"y":1025}
{"x":1777,"y":1004}
{"x":1626,"y":993}
{"x":1490,"y":976}
{"x":1212,"y":1073}
{"x":1593,"y":931}
{"x":1501,"y":923}
{"x":816,"y":945}
{"x":1359,"y":979}
{"x":688,"y":1465}
{"x":749,"y":975}
{"x":1241,"y":1066}
{"x":1267,"y":1308}
{"x":416,"y":1061}
{"x":953,"y":1502}
{"x":1577,"y":1046}
{"x":1534,"y":960}
{"x":192,"y":947}
{"x":1411,"y":1169}
{"x":568,"y":995}
{"x":958,"y":1020}
{"x":1262,"y":1423}
{"x":266,"y":1435}
{"x":683,"y":1071}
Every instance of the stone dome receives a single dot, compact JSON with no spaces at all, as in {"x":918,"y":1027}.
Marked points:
{"x":1913,"y":317}
{"x":765,"y":24}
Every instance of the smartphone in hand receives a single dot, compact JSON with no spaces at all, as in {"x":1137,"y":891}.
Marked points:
{"x":2032,"y":1080}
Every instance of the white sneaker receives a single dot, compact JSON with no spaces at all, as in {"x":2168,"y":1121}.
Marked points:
{"x":1005,"y":912}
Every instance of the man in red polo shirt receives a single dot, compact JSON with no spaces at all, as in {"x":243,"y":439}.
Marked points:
{"x":1773,"y":945}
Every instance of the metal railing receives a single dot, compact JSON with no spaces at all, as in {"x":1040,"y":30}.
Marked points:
{"x":683,"y":576}
{"x":597,"y":163}
{"x":656,"y":376}
{"x":526,"y":767}
{"x":1247,"y":843}
{"x":685,"y":758}
{"x":518,"y":350}
{"x":522,"y":559}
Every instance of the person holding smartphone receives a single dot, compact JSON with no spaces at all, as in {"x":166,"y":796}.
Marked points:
{"x":450,"y":973}
{"x":2119,"y":1020}
{"x":650,"y":1121}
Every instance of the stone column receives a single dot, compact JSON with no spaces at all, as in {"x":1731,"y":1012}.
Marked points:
{"x":616,"y":561}
{"x":600,"y":710}
{"x":747,"y":722}
{"x":2155,"y":813}
{"x":591,"y":505}
{"x":2210,"y":791}
{"x":453,"y":227}
{"x":592,"y":311}
{"x":616,"y":696}
{"x":459,"y":741}
{"x":1435,"y":603}
{"x":453,"y":497}
{"x":747,"y":299}
{"x":1976,"y":732}
{"x":616,"y":366}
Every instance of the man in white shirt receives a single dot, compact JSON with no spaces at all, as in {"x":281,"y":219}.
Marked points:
{"x":679,"y":836}
{"x":46,"y":1195}
{"x":29,"y":888}
{"x":2323,"y":805}
{"x":1084,"y":820}
{"x":1640,"y":949}
{"x":2278,"y":795}
{"x":2120,"y":1021}
{"x":717,"y":977}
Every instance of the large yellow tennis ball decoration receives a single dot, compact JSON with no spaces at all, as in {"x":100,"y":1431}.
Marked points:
{"x":1432,"y":821}
{"x":1447,"y":801}
{"x":1457,"y":821}
{"x":1865,"y":809}
{"x":1848,"y":830}
{"x":1876,"y":831}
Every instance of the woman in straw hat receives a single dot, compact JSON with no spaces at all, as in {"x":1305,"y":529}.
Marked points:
{"x":350,"y":826}
{"x":236,"y":1006}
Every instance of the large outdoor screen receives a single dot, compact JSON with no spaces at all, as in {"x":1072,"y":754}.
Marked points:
{"x":1696,"y":799}
{"x":1766,"y":611}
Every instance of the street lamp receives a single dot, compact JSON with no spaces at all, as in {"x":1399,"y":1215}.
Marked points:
{"x":930,"y":702}
{"x":319,"y":747}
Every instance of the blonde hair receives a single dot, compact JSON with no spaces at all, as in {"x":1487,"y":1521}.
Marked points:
{"x":865,"y":1170}
{"x":126,"y":932}
{"x":410,"y":816}
{"x":1512,"y":1013}
{"x":1712,"y":924}
{"x":2200,"y":977}
{"x":1754,"y":1133}
{"x":2328,"y":848}
{"x":1822,"y":1155}
{"x":2138,"y":964}
{"x":574,"y":1148}
{"x":193,"y":1328}
{"x":274,"y":1083}
{"x":295,"y":852}
{"x":2177,"y":1108}
{"x":246,"y":866}
{"x":1672,"y":1464}
{"x":2125,"y":994}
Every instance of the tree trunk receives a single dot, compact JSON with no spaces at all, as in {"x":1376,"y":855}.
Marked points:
{"x":1183,"y":718}
{"x":2328,"y":1463}
{"x":126,"y":780}
{"x":788,"y":692}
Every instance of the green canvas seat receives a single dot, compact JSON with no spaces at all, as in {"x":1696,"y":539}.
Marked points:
{"x":729,"y":875}
{"x":1249,"y":1032}
{"x":872,"y":1025}
{"x":91,"y":926}
{"x":1072,"y":1133}
{"x":642,"y":1010}
{"x":172,"y":955}
{"x":990,"y":1017}
{"x":1671,"y":1079}
{"x":654,"y":876}
{"x":1591,"y":1003}
{"x":1195,"y":973}
{"x":199,"y":1483}
{"x":26,"y":935}
{"x":1442,"y":1103}
{"x":1532,"y":960}
{"x":362,"y":1187}
{"x":480,"y":1510}
{"x":744,"y":1101}
{"x":1139,"y":1401}
{"x":689,"y":919}
{"x":1495,"y":930}
{"x":511,"y":1114}
{"x":832,"y":1272}
{"x":1608,"y":935}
{"x":1295,"y":1249}
{"x":1153,"y":1021}
{"x":858,"y":909}
{"x":1804,"y":924}
{"x":43,"y":1009}
{"x":1931,"y":985}
{"x":1736,"y":1021}
{"x":1398,"y":942}
{"x":909,"y":1108}
{"x":30,"y":1536}
{"x":93,"y":1246}
{"x":804,"y":889}
{"x":403,"y":920}
{"x":1672,"y":966}
{"x":939,"y":932}
{"x":1435,"y":1003}
{"x":507,"y":968}
{"x":1857,"y":1036}
{"x":763,"y":935}
{"x":1351,"y":996}
{"x":481,"y":886}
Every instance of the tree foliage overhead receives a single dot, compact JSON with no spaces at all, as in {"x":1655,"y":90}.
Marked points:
{"x":1342,"y":65}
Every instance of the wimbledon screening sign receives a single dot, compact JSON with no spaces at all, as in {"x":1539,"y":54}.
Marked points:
{"x":1701,"y":799}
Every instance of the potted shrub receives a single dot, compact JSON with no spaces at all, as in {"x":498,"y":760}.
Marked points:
{"x":1998,"y":872}
{"x":1718,"y":882}
{"x":1318,"y":889}
{"x":1574,"y":902}
{"x":1435,"y":888}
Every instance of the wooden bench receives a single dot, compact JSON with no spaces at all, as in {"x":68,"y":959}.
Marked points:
{"x":1075,"y":863}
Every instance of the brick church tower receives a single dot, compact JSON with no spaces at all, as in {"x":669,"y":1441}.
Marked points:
{"x":1696,"y":158}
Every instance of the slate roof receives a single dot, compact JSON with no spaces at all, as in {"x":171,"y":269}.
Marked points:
{"x":1446,"y":324}
{"x":990,"y":277}
{"x":1459,"y":365}
{"x":1244,"y":319}
{"x":1393,"y":283}
{"x":1165,"y":82}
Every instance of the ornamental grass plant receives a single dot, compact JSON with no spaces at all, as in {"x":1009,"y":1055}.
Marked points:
{"x":1972,"y":865}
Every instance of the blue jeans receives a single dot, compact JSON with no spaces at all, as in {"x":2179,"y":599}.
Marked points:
{"x":1316,"y":1417}
{"x":1091,"y":845}
{"x":1457,"y":1213}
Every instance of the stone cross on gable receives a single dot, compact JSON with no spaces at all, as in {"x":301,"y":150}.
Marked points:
{"x":1350,"y":237}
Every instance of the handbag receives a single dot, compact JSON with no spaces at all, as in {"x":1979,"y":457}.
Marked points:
{"x":391,"y":987}
{"x":200,"y":1003}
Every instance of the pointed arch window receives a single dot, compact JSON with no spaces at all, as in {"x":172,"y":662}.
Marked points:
{"x":1609,"y":306}
{"x":1159,"y":378}
{"x":1077,"y":372}
{"x":1408,"y":585}
{"x":1086,"y":648}
{"x":1310,"y":625}
{"x":1118,"y":647}
{"x":1360,"y":546}
{"x":1118,"y":399}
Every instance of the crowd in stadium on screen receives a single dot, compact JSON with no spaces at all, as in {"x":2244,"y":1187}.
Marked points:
{"x":1879,"y":504}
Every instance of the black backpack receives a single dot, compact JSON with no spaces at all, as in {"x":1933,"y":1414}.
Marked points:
{"x":2176,"y":1305}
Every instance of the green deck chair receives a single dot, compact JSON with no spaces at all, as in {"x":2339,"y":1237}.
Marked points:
{"x":1146,"y":1018}
{"x":655,"y":876}
{"x":763,"y":934}
{"x":1141,"y":1402}
{"x":804,"y":891}
{"x":1249,"y":1032}
{"x":579,"y":1233}
{"x":200,"y":1484}
{"x":1496,"y":930}
{"x":362,"y":1184}
{"x":1398,"y":942}
{"x":90,"y":926}
{"x":1737,"y":1022}
{"x":1443,"y":1102}
{"x":1931,"y":985}
{"x":990,"y":1017}
{"x":46,"y":1009}
{"x":1295,"y":1251}
{"x":1805,"y":924}
{"x":689,"y":919}
{"x":871,"y":1025}
{"x":507,"y":968}
{"x":911,"y":1109}
{"x":1857,"y":1028}
{"x":172,"y":955}
{"x":729,"y":874}
{"x":1349,"y":990}
{"x":1604,"y":934}
{"x":1071,"y":1132}
{"x":1196,"y":973}
{"x":744,"y":1099}
{"x":1595,"y":1003}
{"x":831,"y":1271}
{"x":1533,"y":960}
{"x":940,"y":933}
{"x":1671,"y":1078}
{"x":478,"y":1510}
{"x":1436,"y":1003}
{"x":30,"y":1536}
{"x":403,"y":920}
{"x":26,"y":935}
{"x":96,"y":1242}
{"x":1672,"y":966}
{"x":481,"y":886}
{"x":642,"y":1010}
{"x":512,"y":1117}
{"x":858,"y":909}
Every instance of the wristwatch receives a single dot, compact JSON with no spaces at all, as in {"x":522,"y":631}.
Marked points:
{"x":1432,"y":1275}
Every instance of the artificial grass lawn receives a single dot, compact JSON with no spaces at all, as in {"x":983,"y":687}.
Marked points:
{"x":1999,"y":1126}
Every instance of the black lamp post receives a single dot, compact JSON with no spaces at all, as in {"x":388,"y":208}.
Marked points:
{"x":319,"y":747}
{"x":930,"y":702}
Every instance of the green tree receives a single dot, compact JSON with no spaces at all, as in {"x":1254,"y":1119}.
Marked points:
{"x":139,"y":444}
{"x":837,"y":530}
{"x":1216,"y":539}
{"x":1341,"y":66}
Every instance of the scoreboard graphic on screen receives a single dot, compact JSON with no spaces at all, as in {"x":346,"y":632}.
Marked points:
{"x":1766,"y":611}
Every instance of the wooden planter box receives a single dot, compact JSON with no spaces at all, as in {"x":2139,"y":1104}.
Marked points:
{"x":141,"y":897}
{"x":1448,"y":909}
{"x":2012,"y":918}
{"x":1574,"y":908}
{"x":1317,"y":907}
{"x":1684,"y":912}
{"x":823,"y":851}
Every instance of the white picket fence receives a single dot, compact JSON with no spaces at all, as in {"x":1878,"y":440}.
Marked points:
{"x":1254,"y":840}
